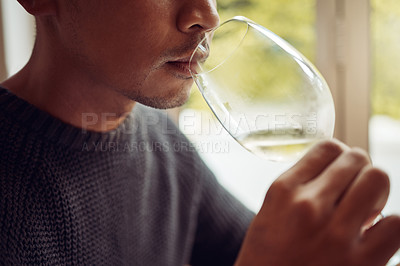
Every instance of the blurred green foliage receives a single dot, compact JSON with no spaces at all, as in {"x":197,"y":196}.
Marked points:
{"x":294,"y":21}
{"x":385,"y":27}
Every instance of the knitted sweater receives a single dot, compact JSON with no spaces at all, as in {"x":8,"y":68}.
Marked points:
{"x":137,"y":195}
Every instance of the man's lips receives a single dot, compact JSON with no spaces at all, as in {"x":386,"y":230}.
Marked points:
{"x":189,"y":66}
{"x":181,"y":67}
{"x":184,"y":67}
{"x":188,"y":63}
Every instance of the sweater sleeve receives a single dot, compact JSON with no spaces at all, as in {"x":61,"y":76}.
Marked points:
{"x":222,"y":224}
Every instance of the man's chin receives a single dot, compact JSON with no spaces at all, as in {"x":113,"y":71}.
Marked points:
{"x":160,"y":103}
{"x":164,"y":102}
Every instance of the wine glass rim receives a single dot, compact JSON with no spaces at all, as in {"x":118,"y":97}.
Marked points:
{"x":236,"y":18}
{"x":250,"y":23}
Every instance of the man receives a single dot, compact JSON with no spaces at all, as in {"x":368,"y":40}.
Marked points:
{"x":64,"y":200}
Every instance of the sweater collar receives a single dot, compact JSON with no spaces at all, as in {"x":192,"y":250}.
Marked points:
{"x":46,"y":126}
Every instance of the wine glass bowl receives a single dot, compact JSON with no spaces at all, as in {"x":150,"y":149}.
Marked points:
{"x":273,"y":113}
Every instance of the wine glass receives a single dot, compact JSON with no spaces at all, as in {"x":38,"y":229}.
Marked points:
{"x":276,"y":115}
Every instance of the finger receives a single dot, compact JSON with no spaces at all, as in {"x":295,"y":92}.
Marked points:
{"x":314,"y":162}
{"x":365,"y":197}
{"x":381,"y":241}
{"x":338,"y":176}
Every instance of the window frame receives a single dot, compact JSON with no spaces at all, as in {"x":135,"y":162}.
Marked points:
{"x":344,"y":58}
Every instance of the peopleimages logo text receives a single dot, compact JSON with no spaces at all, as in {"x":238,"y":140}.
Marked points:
{"x":198,"y":123}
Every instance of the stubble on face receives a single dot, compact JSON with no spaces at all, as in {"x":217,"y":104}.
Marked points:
{"x":149,"y":84}
{"x":165,"y":98}
{"x":171,"y":100}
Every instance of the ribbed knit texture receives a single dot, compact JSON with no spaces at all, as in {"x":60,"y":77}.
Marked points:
{"x":138,"y":195}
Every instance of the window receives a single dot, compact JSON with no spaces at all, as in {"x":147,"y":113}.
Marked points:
{"x":384,"y":125}
{"x":355,"y":44}
{"x":18,"y":28}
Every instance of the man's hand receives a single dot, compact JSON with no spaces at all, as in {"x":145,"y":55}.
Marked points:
{"x":314,"y":214}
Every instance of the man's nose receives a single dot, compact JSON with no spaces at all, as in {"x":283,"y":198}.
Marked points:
{"x":198,"y":15}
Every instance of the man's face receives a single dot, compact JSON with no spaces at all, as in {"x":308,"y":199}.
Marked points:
{"x":139,"y":48}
